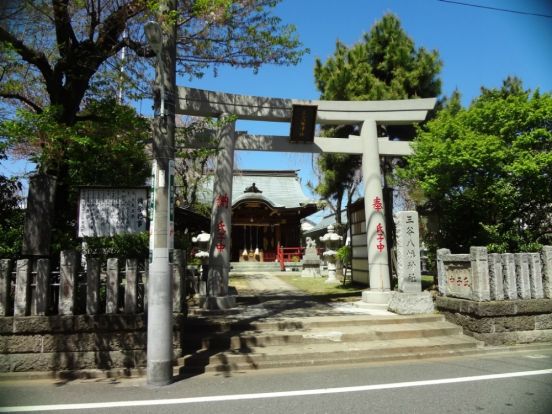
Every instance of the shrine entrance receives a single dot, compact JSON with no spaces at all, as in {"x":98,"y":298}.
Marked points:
{"x":306,"y":113}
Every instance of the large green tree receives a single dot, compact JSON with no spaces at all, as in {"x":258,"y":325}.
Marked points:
{"x":57,"y":55}
{"x":384,"y":65}
{"x":107,"y":148}
{"x":483,"y":174}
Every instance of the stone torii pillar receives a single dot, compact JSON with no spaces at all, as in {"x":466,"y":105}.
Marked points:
{"x":378,"y":266}
{"x":221,"y":223}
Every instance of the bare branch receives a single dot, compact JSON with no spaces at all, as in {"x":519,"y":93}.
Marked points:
{"x":23,"y":99}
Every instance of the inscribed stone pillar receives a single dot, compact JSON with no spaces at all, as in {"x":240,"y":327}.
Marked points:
{"x":509,"y":269}
{"x":221,"y":221}
{"x":535,"y":276}
{"x":496,"y":277}
{"x":408,"y":251}
{"x":92,"y":285}
{"x":131,"y":287}
{"x":441,"y":271}
{"x":41,"y":299}
{"x":546,"y":256}
{"x":5,"y":286}
{"x":522,"y":275}
{"x":481,"y":289}
{"x":375,"y":219}
{"x":112,"y":286}
{"x":68,"y":282}
{"x":22,"y":288}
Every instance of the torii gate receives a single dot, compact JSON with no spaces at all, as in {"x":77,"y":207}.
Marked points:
{"x":197,"y":102}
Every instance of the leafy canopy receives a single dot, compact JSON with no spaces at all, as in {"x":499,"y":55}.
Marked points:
{"x":484,"y":173}
{"x":384,"y":65}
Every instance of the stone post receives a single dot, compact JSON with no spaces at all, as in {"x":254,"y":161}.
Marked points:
{"x":41,"y":299}
{"x":408,"y":251}
{"x":481,"y":289}
{"x":131,"y":287}
{"x":496,"y":277}
{"x":22,"y":288}
{"x":546,"y":255}
{"x":441,"y":271}
{"x":5,"y":287}
{"x":221,"y":223}
{"x":535,"y":276}
{"x":179,"y":285}
{"x":378,"y":266}
{"x":509,"y":269}
{"x":68,"y":282}
{"x":112,"y":286}
{"x":522,"y":275}
{"x":92,"y":285}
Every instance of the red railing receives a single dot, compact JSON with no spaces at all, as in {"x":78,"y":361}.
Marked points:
{"x":288,"y":254}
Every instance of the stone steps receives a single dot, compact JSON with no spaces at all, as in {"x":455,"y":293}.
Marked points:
{"x":319,"y":341}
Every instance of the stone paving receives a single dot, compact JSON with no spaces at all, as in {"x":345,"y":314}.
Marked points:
{"x":276,"y":298}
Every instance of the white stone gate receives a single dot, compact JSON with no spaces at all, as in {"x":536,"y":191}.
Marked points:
{"x":368,"y":114}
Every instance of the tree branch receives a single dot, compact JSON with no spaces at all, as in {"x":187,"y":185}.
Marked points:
{"x":64,"y":31}
{"x":23,"y":99}
{"x":29,"y":55}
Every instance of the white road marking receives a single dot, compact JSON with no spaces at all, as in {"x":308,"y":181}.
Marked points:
{"x":298,"y":393}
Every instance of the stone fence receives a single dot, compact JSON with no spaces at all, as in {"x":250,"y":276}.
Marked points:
{"x":480,"y":276}
{"x":32,"y":288}
{"x":497,"y":298}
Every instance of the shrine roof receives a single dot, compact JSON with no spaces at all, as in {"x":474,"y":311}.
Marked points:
{"x":279,"y":188}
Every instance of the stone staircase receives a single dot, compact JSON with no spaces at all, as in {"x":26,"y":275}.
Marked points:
{"x":226,"y":346}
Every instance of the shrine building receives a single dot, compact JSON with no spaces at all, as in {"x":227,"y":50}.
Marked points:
{"x":267,"y":209}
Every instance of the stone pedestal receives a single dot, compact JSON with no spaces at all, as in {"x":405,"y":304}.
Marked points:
{"x":311,"y":260}
{"x":411,"y":303}
{"x":376,"y":296}
{"x":217,"y":302}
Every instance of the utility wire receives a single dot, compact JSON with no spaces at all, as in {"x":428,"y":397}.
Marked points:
{"x":496,"y":8}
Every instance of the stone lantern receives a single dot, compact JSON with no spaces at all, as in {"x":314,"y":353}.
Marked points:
{"x":331,"y":242}
{"x":202,"y":242}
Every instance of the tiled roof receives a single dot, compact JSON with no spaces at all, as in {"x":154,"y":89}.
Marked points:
{"x":281,"y":189}
{"x":326,"y":221}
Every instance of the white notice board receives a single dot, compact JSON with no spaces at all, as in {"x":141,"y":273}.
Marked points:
{"x":109,"y":211}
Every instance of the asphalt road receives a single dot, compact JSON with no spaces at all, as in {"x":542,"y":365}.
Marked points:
{"x":518,"y":382}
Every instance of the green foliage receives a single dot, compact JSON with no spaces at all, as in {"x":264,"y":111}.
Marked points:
{"x":344,"y":253}
{"x":11,"y":215}
{"x":106,"y":148}
{"x":122,"y":246}
{"x":384,"y":65}
{"x":484,"y":172}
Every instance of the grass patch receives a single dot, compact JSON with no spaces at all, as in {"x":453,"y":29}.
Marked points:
{"x":316,"y":287}
{"x":239,"y":282}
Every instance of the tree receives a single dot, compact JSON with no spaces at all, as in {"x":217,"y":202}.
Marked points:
{"x":385,"y":65}
{"x":72,"y":55}
{"x":483,"y":173}
{"x":108,"y":148}
{"x":11,"y":214}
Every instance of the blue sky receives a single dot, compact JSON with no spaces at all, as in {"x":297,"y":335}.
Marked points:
{"x":478,"y":47}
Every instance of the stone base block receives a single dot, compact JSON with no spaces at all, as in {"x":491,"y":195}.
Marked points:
{"x":376,"y":296}
{"x":405,"y":303}
{"x":310,"y":271}
{"x":217,"y":302}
